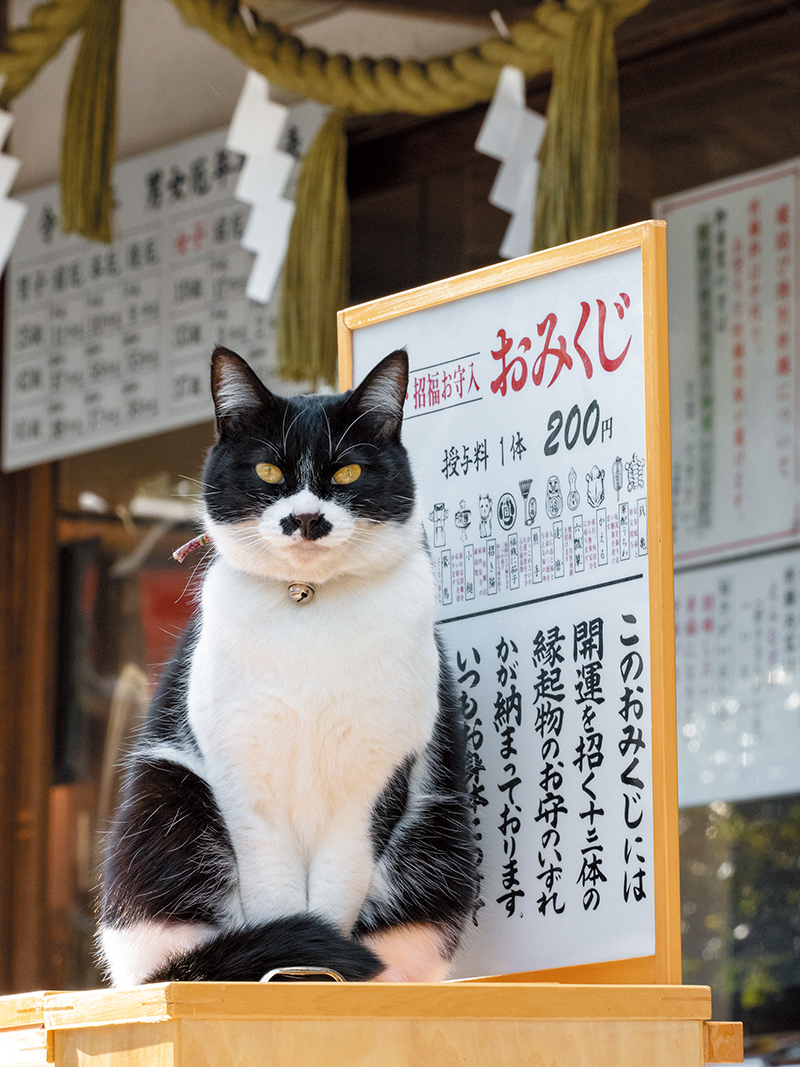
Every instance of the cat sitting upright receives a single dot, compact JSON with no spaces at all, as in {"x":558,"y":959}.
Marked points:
{"x":297,"y":795}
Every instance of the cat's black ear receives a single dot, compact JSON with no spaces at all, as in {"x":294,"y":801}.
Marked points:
{"x":381,"y":395}
{"x":237,"y":391}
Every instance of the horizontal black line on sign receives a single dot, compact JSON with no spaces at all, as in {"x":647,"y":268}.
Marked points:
{"x":457,"y":359}
{"x":542,"y":599}
{"x":449,"y":407}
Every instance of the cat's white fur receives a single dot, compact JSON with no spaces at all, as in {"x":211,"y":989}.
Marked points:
{"x":136,"y":951}
{"x":294,"y":744}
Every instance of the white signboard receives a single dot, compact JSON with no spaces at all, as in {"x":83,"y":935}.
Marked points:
{"x":105,"y":343}
{"x":525,"y":422}
{"x":737,"y":638}
{"x":732,"y":266}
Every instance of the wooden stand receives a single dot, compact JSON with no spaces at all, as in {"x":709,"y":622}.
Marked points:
{"x":188,"y":1024}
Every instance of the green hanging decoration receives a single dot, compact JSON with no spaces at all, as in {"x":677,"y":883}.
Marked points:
{"x":315,"y":272}
{"x":579,"y":175}
{"x":90,"y":127}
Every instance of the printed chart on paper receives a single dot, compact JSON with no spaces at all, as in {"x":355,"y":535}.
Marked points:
{"x":733,"y":276}
{"x":106,"y":343}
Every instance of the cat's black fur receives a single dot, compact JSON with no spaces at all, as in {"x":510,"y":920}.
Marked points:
{"x":182,"y":896}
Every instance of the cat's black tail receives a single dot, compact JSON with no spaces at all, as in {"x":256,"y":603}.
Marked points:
{"x":246,"y":954}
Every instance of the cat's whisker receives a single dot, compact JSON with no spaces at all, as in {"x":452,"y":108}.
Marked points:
{"x":368,"y":411}
{"x":359,"y":444}
{"x":291,"y":424}
{"x":328,"y":430}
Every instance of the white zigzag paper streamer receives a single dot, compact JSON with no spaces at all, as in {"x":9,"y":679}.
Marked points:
{"x":255,"y":132}
{"x":12,"y":212}
{"x":512,"y":133}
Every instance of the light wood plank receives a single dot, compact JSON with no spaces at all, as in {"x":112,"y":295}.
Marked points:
{"x":284,"y":1001}
{"x":441,"y":1043}
{"x":495,"y":276}
{"x":723,"y":1042}
{"x":24,"y":1048}
{"x":22,"y":1009}
{"x":126,"y":1045}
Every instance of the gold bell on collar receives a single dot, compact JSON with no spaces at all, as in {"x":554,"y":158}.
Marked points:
{"x":301,"y":592}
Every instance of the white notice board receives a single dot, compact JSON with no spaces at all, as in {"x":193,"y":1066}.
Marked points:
{"x":733,"y":277}
{"x":737,"y":638}
{"x":537,"y":423}
{"x":106,"y":343}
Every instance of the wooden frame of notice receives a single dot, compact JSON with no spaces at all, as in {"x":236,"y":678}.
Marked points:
{"x":664,"y":967}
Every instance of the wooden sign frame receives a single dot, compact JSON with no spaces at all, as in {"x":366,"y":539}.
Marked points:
{"x":650,"y":237}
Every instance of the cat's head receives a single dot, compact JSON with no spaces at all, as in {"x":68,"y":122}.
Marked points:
{"x":305,"y":488}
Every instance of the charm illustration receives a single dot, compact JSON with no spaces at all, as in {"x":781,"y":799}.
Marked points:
{"x":616,"y":475}
{"x":573,"y":496}
{"x":506,"y":511}
{"x":463,"y":519}
{"x":635,"y":472}
{"x":530,"y":511}
{"x":529,"y":502}
{"x":485,"y":511}
{"x":553,"y":501}
{"x":595,"y":487}
{"x":437,"y":517}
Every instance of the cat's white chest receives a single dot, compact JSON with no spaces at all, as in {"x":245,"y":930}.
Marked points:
{"x":303,"y":712}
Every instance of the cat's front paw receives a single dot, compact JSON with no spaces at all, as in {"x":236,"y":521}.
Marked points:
{"x":412,"y":953}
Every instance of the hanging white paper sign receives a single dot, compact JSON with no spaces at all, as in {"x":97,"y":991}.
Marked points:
{"x":513,"y":134}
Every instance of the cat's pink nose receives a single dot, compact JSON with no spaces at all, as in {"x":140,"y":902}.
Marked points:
{"x":309,"y":523}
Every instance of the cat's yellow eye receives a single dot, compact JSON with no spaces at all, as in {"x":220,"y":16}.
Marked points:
{"x":267,"y":472}
{"x":348,"y":474}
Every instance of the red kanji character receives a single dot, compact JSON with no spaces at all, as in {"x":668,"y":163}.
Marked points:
{"x":606,"y":363}
{"x":561,"y":354}
{"x":458,"y":378}
{"x":587,"y":363}
{"x":518,"y":364}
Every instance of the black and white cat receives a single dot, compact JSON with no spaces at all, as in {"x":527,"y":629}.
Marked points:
{"x":297,"y":794}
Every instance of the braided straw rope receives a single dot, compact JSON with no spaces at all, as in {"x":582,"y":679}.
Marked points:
{"x":578,"y":181}
{"x":364,"y":86}
{"x":29,"y":48}
{"x":371,"y":86}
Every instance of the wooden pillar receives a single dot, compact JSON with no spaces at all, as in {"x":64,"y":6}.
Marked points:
{"x":27,"y":657}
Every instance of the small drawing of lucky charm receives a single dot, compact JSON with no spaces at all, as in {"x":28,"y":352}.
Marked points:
{"x":595,"y":486}
{"x":463,"y":519}
{"x":437,"y":517}
{"x":573,"y":496}
{"x":635,"y":472}
{"x":529,"y":502}
{"x":553,"y":501}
